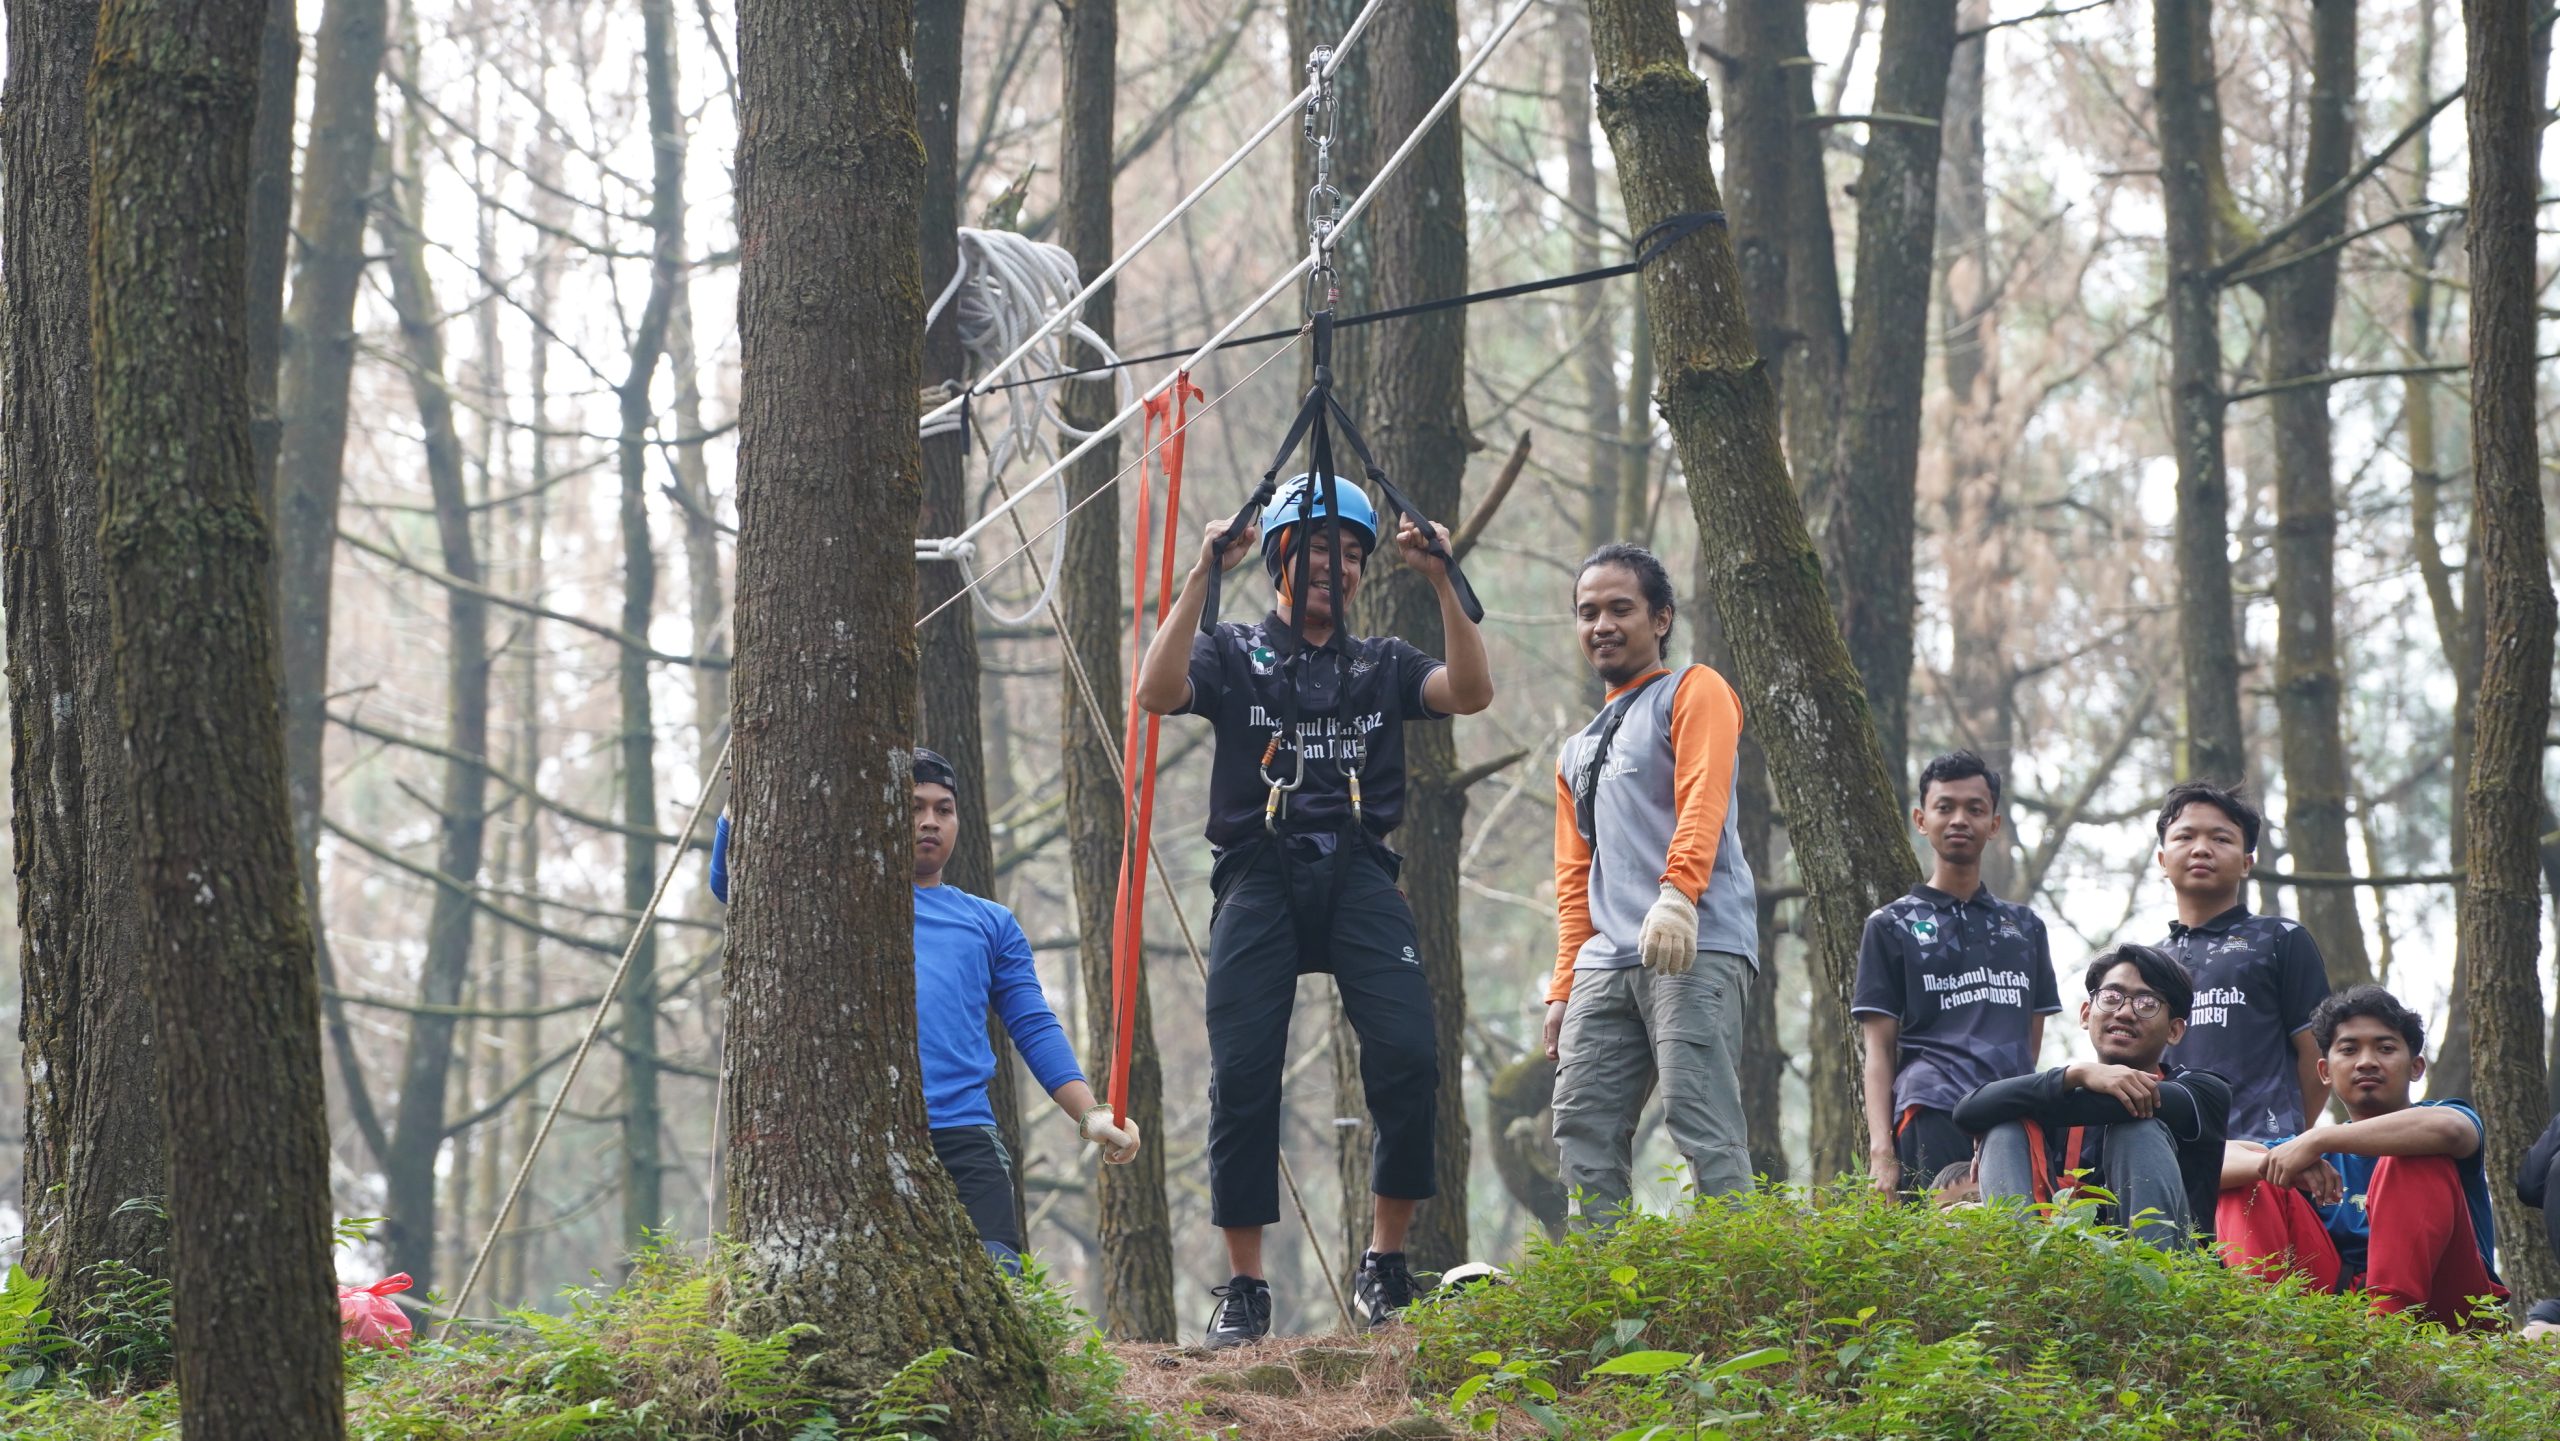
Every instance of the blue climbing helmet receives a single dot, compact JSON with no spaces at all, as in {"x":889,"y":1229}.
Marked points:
{"x":1301,"y":500}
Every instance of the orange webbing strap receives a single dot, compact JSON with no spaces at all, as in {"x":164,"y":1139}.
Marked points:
{"x":2048,"y":1186}
{"x":1171,"y":410}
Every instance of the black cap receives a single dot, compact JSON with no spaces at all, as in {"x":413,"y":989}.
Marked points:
{"x":932,"y":769}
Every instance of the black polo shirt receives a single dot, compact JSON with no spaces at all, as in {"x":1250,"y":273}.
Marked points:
{"x":2257,"y":980}
{"x":1354,"y":694}
{"x":1965,"y":978}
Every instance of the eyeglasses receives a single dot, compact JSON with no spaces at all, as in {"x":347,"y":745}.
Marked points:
{"x":2144,"y":1005}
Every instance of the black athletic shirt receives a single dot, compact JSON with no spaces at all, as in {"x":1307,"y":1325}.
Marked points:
{"x":1354,"y":695}
{"x":1965,"y":979}
{"x":2257,"y":980}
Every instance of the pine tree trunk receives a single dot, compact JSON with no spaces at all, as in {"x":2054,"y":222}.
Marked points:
{"x":644,"y":1173}
{"x":319,"y":354}
{"x":2190,"y":123}
{"x":1795,"y":675}
{"x":2502,"y":913}
{"x":848,"y":1221}
{"x":1129,"y":1202}
{"x":949,"y":644}
{"x":1588,"y":314}
{"x":1973,"y":548}
{"x":227,"y":942}
{"x":1417,"y":422}
{"x":270,"y":225}
{"x":93,"y":1129}
{"x":1874,"y":522}
{"x":1764,"y":1057}
{"x":409,"y":1170}
{"x":2302,"y":303}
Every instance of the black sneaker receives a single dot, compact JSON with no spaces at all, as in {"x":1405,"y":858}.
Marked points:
{"x":1243,"y":1315}
{"x":1383,"y":1287}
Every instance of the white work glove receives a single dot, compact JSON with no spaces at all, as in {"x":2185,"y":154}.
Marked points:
{"x":1669,"y":940}
{"x":1119,"y":1142}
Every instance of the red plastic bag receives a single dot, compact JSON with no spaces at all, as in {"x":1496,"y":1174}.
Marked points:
{"x":367,"y":1316}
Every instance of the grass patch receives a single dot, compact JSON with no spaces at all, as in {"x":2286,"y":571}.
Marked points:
{"x":1770,"y":1317}
{"x":649,"y":1360}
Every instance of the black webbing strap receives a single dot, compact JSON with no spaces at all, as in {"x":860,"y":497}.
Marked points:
{"x":1586,"y":779}
{"x":1318,"y":415}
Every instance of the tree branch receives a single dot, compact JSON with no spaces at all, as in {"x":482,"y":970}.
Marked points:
{"x":1509,"y":475}
{"x":2266,"y":243}
{"x":2047,"y":13}
{"x":453,"y":582}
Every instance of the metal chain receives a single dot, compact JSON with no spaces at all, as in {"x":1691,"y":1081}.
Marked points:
{"x":1324,"y":201}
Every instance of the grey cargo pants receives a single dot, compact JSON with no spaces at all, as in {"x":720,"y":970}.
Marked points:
{"x":1624,"y":1030}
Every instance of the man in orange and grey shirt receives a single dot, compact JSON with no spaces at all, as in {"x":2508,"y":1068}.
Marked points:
{"x":1656,"y":917}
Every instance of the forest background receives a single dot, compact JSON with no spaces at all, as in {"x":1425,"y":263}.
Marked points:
{"x":521,"y":291}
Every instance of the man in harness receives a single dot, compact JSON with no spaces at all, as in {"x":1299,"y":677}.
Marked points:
{"x":1307,"y":781}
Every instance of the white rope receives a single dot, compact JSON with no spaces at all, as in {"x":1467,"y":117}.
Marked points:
{"x":1292,"y":107}
{"x":1010,"y":290}
{"x":947,"y":548}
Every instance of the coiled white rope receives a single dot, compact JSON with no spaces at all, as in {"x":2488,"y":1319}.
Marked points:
{"x":1016,"y":296}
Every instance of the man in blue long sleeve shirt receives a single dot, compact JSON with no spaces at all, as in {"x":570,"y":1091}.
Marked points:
{"x":971,"y":955}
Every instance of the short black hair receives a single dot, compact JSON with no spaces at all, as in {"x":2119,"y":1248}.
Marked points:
{"x":1652,"y":577}
{"x":2340,"y":1007}
{"x":2226,"y":799}
{"x":2161,"y":971}
{"x":1956,"y":765}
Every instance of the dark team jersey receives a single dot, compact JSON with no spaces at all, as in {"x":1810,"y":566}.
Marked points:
{"x":1965,"y":979}
{"x":1353,"y":696}
{"x":2257,"y":979}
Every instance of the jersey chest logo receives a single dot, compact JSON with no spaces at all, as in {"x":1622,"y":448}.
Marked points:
{"x":1925,"y":928}
{"x":1263,"y":659}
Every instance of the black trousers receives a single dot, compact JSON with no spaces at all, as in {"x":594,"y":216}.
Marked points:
{"x":975,"y":1157}
{"x":1929,"y":1142}
{"x":1279,"y":917}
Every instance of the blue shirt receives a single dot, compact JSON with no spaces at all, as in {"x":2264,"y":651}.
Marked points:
{"x":970,"y":955}
{"x":2352,"y":1231}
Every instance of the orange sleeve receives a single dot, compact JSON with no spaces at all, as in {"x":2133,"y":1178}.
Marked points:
{"x":1706,"y":730}
{"x":1573,"y":891}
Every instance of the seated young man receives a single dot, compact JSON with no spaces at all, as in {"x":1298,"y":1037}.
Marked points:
{"x":2151,"y":1135}
{"x":2538,"y":1186}
{"x":2394,"y":1203}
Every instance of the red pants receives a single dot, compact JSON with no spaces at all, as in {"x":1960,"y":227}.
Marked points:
{"x":2421,"y":1254}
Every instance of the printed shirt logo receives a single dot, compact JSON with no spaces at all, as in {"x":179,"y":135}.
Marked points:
{"x":2010,"y":930}
{"x":1925,"y":928}
{"x":1410,"y":957}
{"x":1263,"y":659}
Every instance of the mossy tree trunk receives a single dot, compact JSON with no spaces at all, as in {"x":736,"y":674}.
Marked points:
{"x":1130,"y":1217}
{"x":93,"y":1128}
{"x":1797,"y":683}
{"x":2191,"y":186}
{"x":847,"y":1219}
{"x":172,"y":101}
{"x":1417,"y":422}
{"x":2302,"y":304}
{"x":2502,"y":913}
